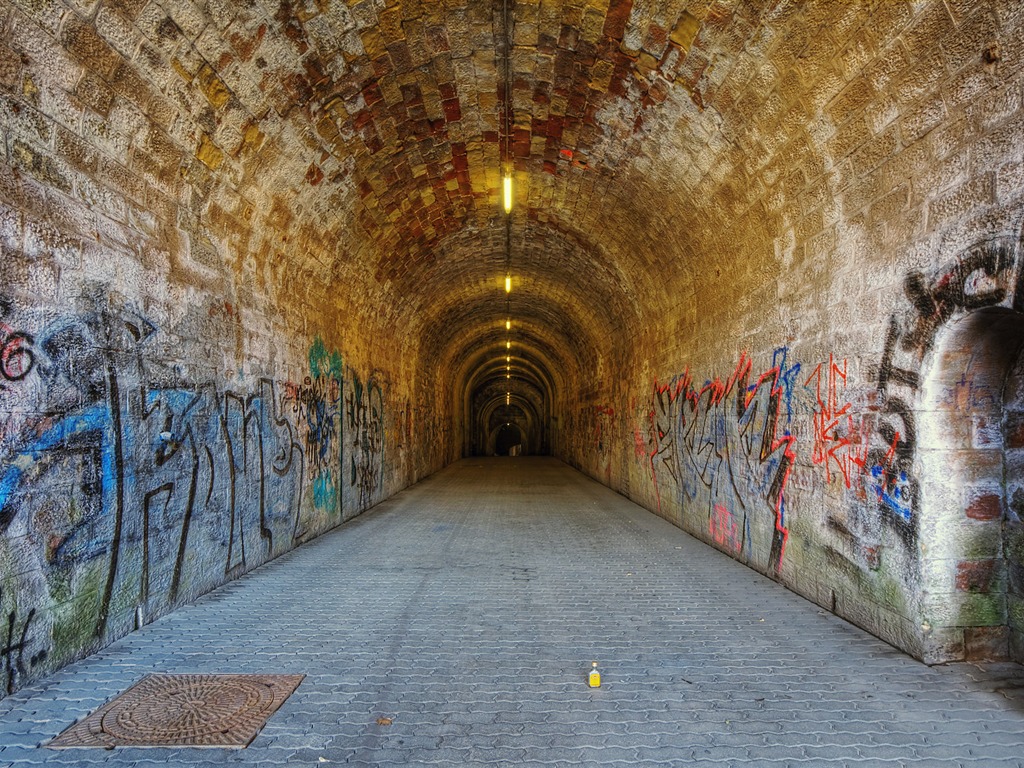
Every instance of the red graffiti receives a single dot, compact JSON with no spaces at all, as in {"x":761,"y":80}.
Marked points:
{"x":668,"y":420}
{"x":839,"y":443}
{"x":639,"y":444}
{"x":662,"y":419}
{"x":724,"y":529}
{"x":16,"y":356}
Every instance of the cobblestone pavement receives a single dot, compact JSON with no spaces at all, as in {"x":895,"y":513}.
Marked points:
{"x":468,"y":610}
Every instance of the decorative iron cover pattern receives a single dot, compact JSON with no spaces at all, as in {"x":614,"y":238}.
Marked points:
{"x":183,"y":711}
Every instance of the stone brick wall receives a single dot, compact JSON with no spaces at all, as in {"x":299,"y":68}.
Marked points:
{"x":190,"y":382}
{"x":253,"y":259}
{"x":1012,"y":507}
{"x":840,"y":184}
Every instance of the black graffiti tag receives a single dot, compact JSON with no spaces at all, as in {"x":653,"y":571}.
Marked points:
{"x":16,"y":356}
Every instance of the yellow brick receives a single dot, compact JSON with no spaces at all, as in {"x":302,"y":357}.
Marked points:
{"x":601,"y":76}
{"x":685,"y":31}
{"x":209,"y":154}
{"x":252,"y":138}
{"x":213,"y":87}
{"x":182,"y":71}
{"x":373,"y":43}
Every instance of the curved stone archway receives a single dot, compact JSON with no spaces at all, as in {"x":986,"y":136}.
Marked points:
{"x":253,"y":282}
{"x":508,"y":440}
{"x":969,"y":530}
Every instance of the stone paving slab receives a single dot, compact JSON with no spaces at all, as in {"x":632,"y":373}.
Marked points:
{"x":467,"y":610}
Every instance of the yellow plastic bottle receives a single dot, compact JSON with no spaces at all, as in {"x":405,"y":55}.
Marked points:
{"x":595,"y":677}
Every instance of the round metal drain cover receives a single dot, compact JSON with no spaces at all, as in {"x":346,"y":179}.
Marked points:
{"x":184,"y":710}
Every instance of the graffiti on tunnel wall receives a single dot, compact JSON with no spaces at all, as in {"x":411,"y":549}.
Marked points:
{"x":977,"y":278}
{"x":728,"y":447}
{"x":126,"y":489}
{"x":364,"y":410}
{"x":316,"y":405}
{"x":343,"y":427}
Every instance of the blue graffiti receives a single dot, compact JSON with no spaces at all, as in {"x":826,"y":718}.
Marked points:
{"x":893,"y":499}
{"x":325,"y":491}
{"x":787,"y":380}
{"x":93,"y":420}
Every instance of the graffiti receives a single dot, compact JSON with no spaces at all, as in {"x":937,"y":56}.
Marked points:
{"x":124,"y":490}
{"x":721,"y":453}
{"x":316,"y":404}
{"x":15,"y":643}
{"x":874,"y":451}
{"x":723,"y":529}
{"x":365,"y":424}
{"x":727,"y":445}
{"x":662,"y":418}
{"x":16,"y":357}
{"x":978,"y":278}
{"x":838,"y":444}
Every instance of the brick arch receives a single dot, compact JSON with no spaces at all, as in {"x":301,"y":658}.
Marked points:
{"x":897,"y":520}
{"x":961,"y":466}
{"x":521,"y":413}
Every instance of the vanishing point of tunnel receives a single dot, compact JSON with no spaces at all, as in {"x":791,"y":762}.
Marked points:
{"x":754,"y":266}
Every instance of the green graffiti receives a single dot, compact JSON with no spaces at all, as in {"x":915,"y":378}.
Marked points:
{"x":321,"y":403}
{"x":324,"y":363}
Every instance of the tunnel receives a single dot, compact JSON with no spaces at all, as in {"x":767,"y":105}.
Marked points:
{"x":755,"y":267}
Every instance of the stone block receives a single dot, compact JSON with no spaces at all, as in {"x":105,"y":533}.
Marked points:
{"x":1015,"y":611}
{"x":852,"y":101}
{"x":964,"y":609}
{"x":209,"y":154}
{"x":1016,"y":645}
{"x":938,"y":575}
{"x":985,"y":506}
{"x":978,"y":192}
{"x":1015,"y":578}
{"x":998,"y":146}
{"x":81,"y":40}
{"x":986,"y":643}
{"x":942,"y":644}
{"x":41,"y":166}
{"x":1013,"y":542}
{"x":976,"y":575}
{"x":972,"y":36}
{"x":45,"y":241}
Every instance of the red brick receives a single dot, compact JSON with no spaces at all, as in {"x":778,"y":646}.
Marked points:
{"x":974,"y":575}
{"x":1014,"y":430}
{"x":618,"y":15}
{"x":452,"y":110}
{"x":986,"y":507}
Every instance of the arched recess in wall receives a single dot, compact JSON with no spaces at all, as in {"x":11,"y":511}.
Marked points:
{"x":486,"y":388}
{"x":971,"y":467}
{"x":521,"y":414}
{"x":508,"y":440}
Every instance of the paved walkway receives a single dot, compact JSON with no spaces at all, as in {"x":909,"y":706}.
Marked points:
{"x":468,"y":609}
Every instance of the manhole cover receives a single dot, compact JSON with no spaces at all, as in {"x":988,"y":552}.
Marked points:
{"x":183,"y":711}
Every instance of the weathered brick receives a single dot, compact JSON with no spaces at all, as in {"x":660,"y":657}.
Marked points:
{"x":81,"y":40}
{"x":974,"y":576}
{"x":986,"y":506}
{"x":969,"y":196}
{"x":986,"y":643}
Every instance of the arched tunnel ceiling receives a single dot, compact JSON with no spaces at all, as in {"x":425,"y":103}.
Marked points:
{"x":638,"y":165}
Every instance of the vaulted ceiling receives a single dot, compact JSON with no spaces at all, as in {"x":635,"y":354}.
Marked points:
{"x":660,"y":151}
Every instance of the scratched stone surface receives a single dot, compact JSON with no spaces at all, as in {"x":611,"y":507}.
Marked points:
{"x":467,"y":641}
